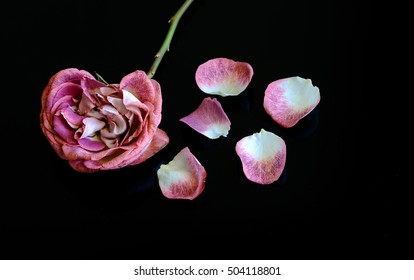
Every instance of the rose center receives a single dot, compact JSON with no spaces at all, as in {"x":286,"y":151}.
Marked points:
{"x":101,"y":127}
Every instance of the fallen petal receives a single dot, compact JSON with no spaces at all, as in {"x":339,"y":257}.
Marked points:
{"x":223,"y":76}
{"x":209,"y":119}
{"x":289,"y":100}
{"x":263,"y":156}
{"x":183,"y":177}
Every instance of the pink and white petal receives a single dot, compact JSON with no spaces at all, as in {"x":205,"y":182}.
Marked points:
{"x":263,"y":156}
{"x":209,"y":119}
{"x":182,"y":178}
{"x":289,"y":100}
{"x":223,"y":76}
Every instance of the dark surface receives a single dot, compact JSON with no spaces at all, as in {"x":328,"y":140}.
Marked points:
{"x":341,"y":195}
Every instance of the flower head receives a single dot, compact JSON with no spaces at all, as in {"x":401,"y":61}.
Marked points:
{"x":98,"y":126}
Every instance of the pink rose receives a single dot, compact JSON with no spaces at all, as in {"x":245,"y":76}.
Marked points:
{"x":96,"y":126}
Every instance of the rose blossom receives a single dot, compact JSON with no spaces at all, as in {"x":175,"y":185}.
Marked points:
{"x":98,"y":126}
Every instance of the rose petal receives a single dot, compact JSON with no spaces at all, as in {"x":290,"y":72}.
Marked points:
{"x":93,"y":144}
{"x":63,"y":129}
{"x":223,"y":76}
{"x":145,"y":89}
{"x":85,"y":104}
{"x":182,"y":178}
{"x":289,"y":100}
{"x":209,"y":119}
{"x":92,"y":125}
{"x":72,"y":118}
{"x":116,"y":123}
{"x":159,"y":141}
{"x":73,"y":75}
{"x":118,"y":104}
{"x":93,"y":90}
{"x":263,"y":156}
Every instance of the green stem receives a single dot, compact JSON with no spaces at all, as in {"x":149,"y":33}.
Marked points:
{"x":166,"y":44}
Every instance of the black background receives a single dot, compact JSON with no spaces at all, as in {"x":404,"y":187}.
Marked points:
{"x":341,"y":195}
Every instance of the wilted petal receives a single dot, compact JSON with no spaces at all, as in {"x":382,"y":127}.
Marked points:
{"x":85,"y":104}
{"x":223,"y":76}
{"x":159,"y":141}
{"x":61,"y":104}
{"x":289,"y":100}
{"x":91,"y":143}
{"x":263,"y":156}
{"x":118,"y":104}
{"x":109,"y":142}
{"x":209,"y":119}
{"x":92,"y":125}
{"x":106,"y":91}
{"x":93,"y":90}
{"x":140,"y":86}
{"x":116,"y":123}
{"x":132,"y":103}
{"x":183,"y":177}
{"x":72,"y":118}
{"x":51,"y":93}
{"x":63,"y":129}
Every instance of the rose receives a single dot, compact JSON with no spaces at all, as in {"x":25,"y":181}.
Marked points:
{"x":99,"y":126}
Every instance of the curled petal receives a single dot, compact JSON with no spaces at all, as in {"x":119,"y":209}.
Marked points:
{"x":93,"y":143}
{"x":146,"y":90}
{"x":50,"y":95}
{"x":183,"y":177}
{"x":72,"y":118}
{"x":63,"y":130}
{"x":92,"y":125}
{"x":223,"y":76}
{"x":85,"y":104}
{"x":263,"y":156}
{"x":118,"y":104}
{"x":209,"y":119}
{"x":289,"y":100}
{"x":117,"y":124}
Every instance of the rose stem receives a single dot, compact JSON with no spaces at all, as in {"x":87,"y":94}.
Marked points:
{"x":166,"y":44}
